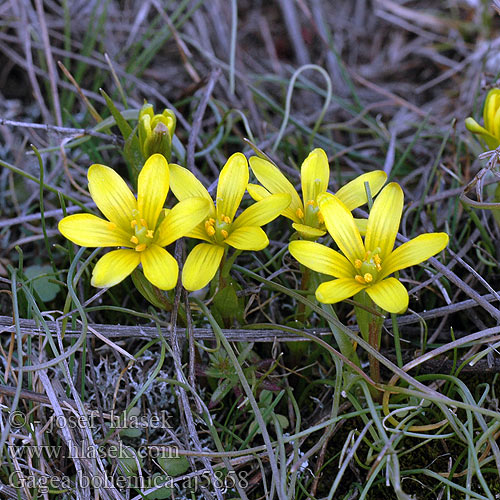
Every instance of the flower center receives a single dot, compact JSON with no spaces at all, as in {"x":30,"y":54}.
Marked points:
{"x":218,"y":229}
{"x":143,"y":236}
{"x":313,"y":216}
{"x":369,"y":268}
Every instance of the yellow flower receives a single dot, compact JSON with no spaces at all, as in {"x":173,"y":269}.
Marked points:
{"x":156,"y":131}
{"x":366,"y":264}
{"x":221,"y":228}
{"x":307,"y":219}
{"x":142,"y":226}
{"x":491,"y":116}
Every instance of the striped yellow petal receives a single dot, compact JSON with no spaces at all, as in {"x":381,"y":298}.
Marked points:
{"x":160,"y":268}
{"x":491,"y":106}
{"x":201,"y":265}
{"x":182,"y":219}
{"x":233,"y":181}
{"x":248,"y":238}
{"x":308,"y":232}
{"x":340,"y":224}
{"x":263,"y":211}
{"x":321,"y":259}
{"x":384,"y":219}
{"x":275,"y":182}
{"x":199,"y":232}
{"x":337,"y":290}
{"x":257,"y":192}
{"x":495,"y":129}
{"x":114,"y":267}
{"x":112,"y":195}
{"x":353,"y":194}
{"x":184,"y":184}
{"x":362,"y":225}
{"x":315,"y":175}
{"x":389,"y":295}
{"x":87,"y":230}
{"x":475,"y":128}
{"x":413,"y":252}
{"x":152,"y":188}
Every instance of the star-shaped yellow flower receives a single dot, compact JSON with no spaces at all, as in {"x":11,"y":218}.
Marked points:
{"x":221,"y":228}
{"x":366,"y":265}
{"x":491,"y":117}
{"x":307,"y":218}
{"x":142,"y":225}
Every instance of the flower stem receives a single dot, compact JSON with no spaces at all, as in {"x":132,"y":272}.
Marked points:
{"x":304,"y":285}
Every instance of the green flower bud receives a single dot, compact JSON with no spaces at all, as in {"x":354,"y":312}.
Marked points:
{"x":156,"y":131}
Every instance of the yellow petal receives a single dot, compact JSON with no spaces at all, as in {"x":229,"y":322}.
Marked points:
{"x":475,"y":128}
{"x":233,"y":181}
{"x":384,"y":219}
{"x":314,"y":174}
{"x":201,"y":265}
{"x":340,"y":224}
{"x":263,"y":211}
{"x":257,"y":192}
{"x":491,"y":105}
{"x":182,"y":219}
{"x":248,"y":238}
{"x":152,"y":189}
{"x":362,"y":225}
{"x":112,"y":195}
{"x":321,"y":259}
{"x":160,"y":268}
{"x":308,"y":232}
{"x":389,"y":295}
{"x":184,"y":184}
{"x":413,"y":252}
{"x":199,"y":232}
{"x":495,"y":129}
{"x":334,"y":291}
{"x":87,"y":230}
{"x":114,"y":267}
{"x":353,"y":194}
{"x":275,"y":182}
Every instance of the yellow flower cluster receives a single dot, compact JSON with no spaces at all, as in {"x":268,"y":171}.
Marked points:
{"x":141,"y":227}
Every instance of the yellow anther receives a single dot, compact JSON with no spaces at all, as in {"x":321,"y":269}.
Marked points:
{"x":207,"y":224}
{"x":144,"y":223}
{"x":368,"y":278}
{"x":358,"y":263}
{"x":134,"y":240}
{"x":360,"y":279}
{"x":224,"y":233}
{"x":133,"y":223}
{"x":211,"y":220}
{"x":321,"y":219}
{"x":210,"y":230}
{"x":150,"y":233}
{"x":111,"y":225}
{"x":299,"y":213}
{"x":311,"y":203}
{"x":227,"y":220}
{"x":141,"y":247}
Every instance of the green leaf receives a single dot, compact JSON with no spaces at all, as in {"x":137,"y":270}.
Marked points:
{"x":227,"y":303}
{"x":129,"y":461}
{"x":40,"y":276}
{"x":174,"y":466}
{"x":161,"y":493}
{"x":150,"y":292}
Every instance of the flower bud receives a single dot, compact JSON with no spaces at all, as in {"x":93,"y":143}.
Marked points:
{"x":156,"y":131}
{"x":491,"y":117}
